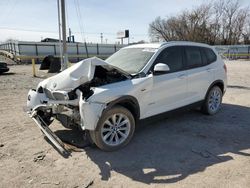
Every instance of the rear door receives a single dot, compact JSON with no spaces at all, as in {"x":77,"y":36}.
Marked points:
{"x":199,"y":73}
{"x":169,"y":89}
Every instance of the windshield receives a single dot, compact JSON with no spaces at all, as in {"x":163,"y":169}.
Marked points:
{"x":131,"y":60}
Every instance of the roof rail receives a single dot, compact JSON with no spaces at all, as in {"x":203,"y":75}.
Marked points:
{"x":180,"y":41}
{"x":169,"y":42}
{"x":163,"y":43}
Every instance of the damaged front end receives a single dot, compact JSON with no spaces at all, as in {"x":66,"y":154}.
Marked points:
{"x":65,"y":97}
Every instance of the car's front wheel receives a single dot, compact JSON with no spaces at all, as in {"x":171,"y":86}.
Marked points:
{"x":114,"y":129}
{"x":213,"y":101}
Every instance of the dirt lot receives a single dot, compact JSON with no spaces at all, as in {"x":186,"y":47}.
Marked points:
{"x":185,"y":150}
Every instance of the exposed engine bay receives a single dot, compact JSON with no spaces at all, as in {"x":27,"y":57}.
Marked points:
{"x":101,"y":77}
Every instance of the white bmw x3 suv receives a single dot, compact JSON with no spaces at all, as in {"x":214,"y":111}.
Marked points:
{"x":107,"y":98}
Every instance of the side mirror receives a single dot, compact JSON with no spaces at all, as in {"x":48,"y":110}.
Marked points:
{"x":161,"y":68}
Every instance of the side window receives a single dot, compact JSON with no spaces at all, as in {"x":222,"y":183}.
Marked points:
{"x":172,"y":56}
{"x":211,"y":56}
{"x":193,"y":56}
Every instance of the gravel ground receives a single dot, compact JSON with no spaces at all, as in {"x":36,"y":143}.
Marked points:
{"x":187,"y":149}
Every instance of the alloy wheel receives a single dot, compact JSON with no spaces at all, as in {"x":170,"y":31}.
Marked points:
{"x":214,"y":100}
{"x":115,"y":129}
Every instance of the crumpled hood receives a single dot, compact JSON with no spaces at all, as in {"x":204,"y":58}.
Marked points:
{"x":75,"y":75}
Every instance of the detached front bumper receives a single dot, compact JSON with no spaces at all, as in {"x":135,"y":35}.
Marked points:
{"x":55,"y":140}
{"x":34,"y":102}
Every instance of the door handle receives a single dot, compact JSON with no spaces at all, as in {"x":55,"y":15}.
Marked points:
{"x":182,"y":76}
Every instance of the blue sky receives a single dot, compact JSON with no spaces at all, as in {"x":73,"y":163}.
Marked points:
{"x":35,"y":19}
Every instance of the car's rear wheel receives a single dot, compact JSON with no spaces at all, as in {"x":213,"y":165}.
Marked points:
{"x":114,"y":129}
{"x":213,"y":101}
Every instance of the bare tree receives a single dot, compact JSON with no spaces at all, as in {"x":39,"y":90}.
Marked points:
{"x":221,"y":22}
{"x":158,"y":30}
{"x":246,"y":31}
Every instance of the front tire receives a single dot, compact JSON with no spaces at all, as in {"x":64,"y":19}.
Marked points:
{"x":213,"y":101}
{"x":114,"y":130}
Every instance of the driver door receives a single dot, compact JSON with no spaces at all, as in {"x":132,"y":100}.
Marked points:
{"x":169,"y":90}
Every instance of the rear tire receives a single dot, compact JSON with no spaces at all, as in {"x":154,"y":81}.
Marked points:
{"x":213,"y":101}
{"x":114,"y":130}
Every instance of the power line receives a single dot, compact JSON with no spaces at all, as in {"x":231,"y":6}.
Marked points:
{"x":79,"y":18}
{"x":67,"y":16}
{"x":77,"y":32}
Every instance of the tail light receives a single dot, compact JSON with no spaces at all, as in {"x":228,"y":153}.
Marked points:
{"x":225,"y":67}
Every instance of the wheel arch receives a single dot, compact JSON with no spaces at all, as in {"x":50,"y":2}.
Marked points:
{"x":218,"y":83}
{"x":129,"y":102}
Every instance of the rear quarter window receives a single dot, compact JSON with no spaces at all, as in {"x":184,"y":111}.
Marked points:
{"x":211,"y":56}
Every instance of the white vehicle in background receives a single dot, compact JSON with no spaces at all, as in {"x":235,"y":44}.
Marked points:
{"x":107,"y":98}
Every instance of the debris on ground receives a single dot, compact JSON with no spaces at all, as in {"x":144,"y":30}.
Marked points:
{"x":203,"y":154}
{"x":39,"y":156}
{"x":2,"y":155}
{"x":215,"y":156}
{"x":51,"y":183}
{"x":88,"y":184}
{"x":201,"y":135}
{"x":1,"y":145}
{"x":236,"y":141}
{"x":30,"y":181}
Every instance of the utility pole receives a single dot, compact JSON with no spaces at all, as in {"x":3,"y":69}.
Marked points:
{"x":101,"y":38}
{"x":60,"y":35}
{"x":65,"y":55}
